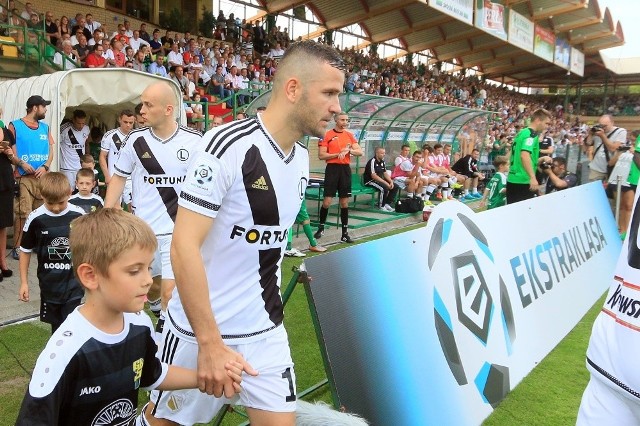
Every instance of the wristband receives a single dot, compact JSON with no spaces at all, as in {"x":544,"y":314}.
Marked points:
{"x":45,"y":167}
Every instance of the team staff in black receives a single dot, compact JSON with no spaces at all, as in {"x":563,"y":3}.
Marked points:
{"x":378,"y":177}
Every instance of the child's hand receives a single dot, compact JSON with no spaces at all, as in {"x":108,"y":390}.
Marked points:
{"x":23,"y":293}
{"x":234,"y":371}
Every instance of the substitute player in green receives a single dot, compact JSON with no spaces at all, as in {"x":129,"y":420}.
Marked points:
{"x":495,"y":193}
{"x":521,"y":181}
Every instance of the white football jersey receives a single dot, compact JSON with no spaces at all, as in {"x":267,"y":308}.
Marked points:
{"x":253,"y":190}
{"x":72,"y":146}
{"x":112,"y":142}
{"x":157,"y":168}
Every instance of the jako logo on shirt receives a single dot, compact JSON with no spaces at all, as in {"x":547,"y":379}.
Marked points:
{"x":90,"y":390}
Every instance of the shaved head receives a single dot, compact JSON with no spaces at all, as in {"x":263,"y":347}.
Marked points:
{"x":159,"y":104}
{"x":162,"y":92}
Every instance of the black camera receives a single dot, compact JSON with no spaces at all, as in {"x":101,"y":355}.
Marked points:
{"x":624,"y":148}
{"x":596,"y":128}
{"x":545,"y":165}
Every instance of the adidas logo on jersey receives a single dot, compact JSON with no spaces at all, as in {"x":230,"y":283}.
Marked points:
{"x":261,"y":183}
{"x":146,"y":155}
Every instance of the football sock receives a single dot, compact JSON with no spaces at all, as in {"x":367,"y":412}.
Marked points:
{"x":344,"y":219}
{"x":309,"y":233}
{"x":289,"y":238}
{"x":324,"y":212}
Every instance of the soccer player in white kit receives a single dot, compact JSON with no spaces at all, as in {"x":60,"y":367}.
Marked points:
{"x":73,"y":145}
{"x":156,"y":159}
{"x":110,"y":146}
{"x":243,"y":191}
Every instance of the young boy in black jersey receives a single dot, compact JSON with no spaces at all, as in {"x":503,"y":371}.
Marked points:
{"x":87,"y":162}
{"x":46,"y":233}
{"x":85,"y":197}
{"x":93,"y":366}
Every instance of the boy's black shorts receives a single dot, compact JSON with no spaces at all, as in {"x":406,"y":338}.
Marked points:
{"x":337,"y":177}
{"x":56,"y":313}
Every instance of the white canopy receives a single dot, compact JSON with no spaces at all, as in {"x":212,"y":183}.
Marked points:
{"x":101,"y":93}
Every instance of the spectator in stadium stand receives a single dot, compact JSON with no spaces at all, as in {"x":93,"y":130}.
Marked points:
{"x":336,"y":148}
{"x":50,"y":28}
{"x":143,"y":33}
{"x":155,"y":43}
{"x":378,"y":177}
{"x":602,"y":141}
{"x":90,"y":23}
{"x":157,"y":67}
{"x":218,"y":85}
{"x":468,"y":166}
{"x":136,"y":41}
{"x":67,"y":59}
{"x":175,"y":58}
{"x":80,"y":25}
{"x":521,"y":181}
{"x":98,"y":36}
{"x":121,"y":34}
{"x":181,"y":81}
{"x":28,"y":11}
{"x":276,"y":52}
{"x":82,"y":49}
{"x":95,"y":58}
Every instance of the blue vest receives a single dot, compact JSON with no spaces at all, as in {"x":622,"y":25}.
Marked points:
{"x":32,"y":144}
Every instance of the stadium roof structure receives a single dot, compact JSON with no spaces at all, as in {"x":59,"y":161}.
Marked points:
{"x":420,"y":27}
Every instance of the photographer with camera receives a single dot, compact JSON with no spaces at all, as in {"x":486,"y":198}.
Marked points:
{"x":602,"y":141}
{"x":557,"y":177}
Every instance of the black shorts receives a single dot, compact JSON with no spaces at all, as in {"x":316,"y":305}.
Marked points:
{"x":518,"y":192}
{"x":337,"y":177}
{"x":56,"y":313}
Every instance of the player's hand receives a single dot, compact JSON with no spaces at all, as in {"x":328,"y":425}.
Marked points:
{"x":23,"y":293}
{"x":234,"y":371}
{"x":213,"y":378}
{"x":534,"y":185}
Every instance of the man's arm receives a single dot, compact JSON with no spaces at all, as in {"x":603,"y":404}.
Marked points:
{"x":324,"y":155}
{"x":608,"y":144}
{"x":525,"y":159}
{"x":555,"y":180}
{"x":102,"y":160}
{"x":114,"y":191}
{"x":356,"y":149}
{"x":25,"y":259}
{"x":40,"y":171}
{"x":189,"y":234}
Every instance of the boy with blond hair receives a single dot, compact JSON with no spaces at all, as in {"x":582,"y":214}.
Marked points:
{"x":46,"y":233}
{"x":92,"y":367}
{"x":85,"y":198}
